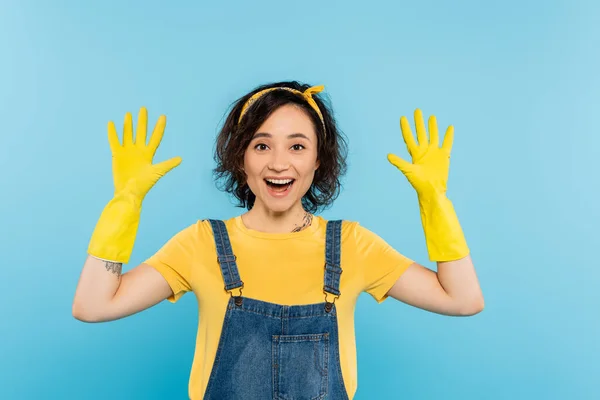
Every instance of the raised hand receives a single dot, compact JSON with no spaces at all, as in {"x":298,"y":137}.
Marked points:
{"x":134,"y":175}
{"x":133,"y":170}
{"x":430,"y":164}
{"x":428,"y":174}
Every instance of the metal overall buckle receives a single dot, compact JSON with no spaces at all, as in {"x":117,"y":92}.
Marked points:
{"x":227,"y":258}
{"x":328,"y":304}
{"x":236,"y":299}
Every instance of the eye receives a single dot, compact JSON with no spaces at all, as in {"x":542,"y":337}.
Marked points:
{"x":258,"y":146}
{"x":298,"y":147}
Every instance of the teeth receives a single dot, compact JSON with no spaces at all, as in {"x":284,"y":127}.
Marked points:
{"x":279,"y":181}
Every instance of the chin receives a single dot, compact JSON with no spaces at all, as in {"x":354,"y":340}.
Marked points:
{"x":279,"y":206}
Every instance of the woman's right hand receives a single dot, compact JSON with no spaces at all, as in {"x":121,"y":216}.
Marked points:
{"x":134,"y":175}
{"x":133,"y":171}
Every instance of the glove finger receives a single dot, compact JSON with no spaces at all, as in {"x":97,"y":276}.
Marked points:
{"x":127,"y":130}
{"x":157,"y":134}
{"x":113,"y":137}
{"x":399,"y":163}
{"x":142,"y":126}
{"x":166,"y":166}
{"x":407,"y":135}
{"x":448,"y":139}
{"x":420,"y":126}
{"x":434,"y":138}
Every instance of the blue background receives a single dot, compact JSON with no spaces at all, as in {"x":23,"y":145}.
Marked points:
{"x":518,"y":79}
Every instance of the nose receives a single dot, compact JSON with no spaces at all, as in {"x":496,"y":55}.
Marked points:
{"x":279,"y":161}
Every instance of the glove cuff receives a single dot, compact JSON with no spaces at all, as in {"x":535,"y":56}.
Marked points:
{"x":115,"y":232}
{"x":443,"y":233}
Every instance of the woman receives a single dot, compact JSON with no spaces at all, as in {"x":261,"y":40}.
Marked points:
{"x":277,"y":285}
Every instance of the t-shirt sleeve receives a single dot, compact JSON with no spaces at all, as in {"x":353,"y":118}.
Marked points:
{"x":174,"y":260}
{"x":382,"y":264}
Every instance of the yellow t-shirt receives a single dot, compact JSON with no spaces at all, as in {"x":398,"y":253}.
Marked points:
{"x":282,"y":268}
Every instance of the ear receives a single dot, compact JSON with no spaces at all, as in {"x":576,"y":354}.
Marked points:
{"x":317,"y":165}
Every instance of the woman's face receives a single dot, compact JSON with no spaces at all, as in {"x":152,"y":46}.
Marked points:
{"x":281,"y":160}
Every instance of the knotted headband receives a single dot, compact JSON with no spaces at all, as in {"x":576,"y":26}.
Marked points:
{"x":307,"y":95}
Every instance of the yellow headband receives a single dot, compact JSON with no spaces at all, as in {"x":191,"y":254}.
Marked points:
{"x":307,"y":95}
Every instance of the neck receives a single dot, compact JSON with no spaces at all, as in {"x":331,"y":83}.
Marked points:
{"x":268,"y":221}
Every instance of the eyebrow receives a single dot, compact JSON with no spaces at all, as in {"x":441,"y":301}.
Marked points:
{"x":291,"y":136}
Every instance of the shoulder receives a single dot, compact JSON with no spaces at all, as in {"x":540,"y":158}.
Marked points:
{"x":350,"y":230}
{"x":193,"y":231}
{"x":193,"y":237}
{"x":354,"y":232}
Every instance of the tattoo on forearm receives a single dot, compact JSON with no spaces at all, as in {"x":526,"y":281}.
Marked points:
{"x":306,"y":222}
{"x":113,"y":267}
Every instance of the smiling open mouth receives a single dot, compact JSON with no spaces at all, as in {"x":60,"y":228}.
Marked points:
{"x":280,"y":186}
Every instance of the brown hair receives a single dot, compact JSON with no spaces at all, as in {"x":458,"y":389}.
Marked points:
{"x":234,"y":138}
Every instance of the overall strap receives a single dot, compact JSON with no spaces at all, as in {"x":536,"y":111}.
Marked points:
{"x":333,"y":270}
{"x":225,"y":256}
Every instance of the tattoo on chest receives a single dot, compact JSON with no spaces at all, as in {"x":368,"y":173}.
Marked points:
{"x":306,"y":222}
{"x":114,"y":267}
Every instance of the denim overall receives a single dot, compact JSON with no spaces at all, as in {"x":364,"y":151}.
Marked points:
{"x":272,"y":351}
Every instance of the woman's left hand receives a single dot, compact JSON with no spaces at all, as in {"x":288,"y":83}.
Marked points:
{"x":428,"y":172}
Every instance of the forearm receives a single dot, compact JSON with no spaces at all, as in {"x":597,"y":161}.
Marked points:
{"x":459,"y":280}
{"x":112,"y":239}
{"x":448,"y":247}
{"x":98,"y":283}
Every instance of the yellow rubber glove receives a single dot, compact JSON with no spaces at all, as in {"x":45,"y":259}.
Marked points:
{"x":428,"y":175}
{"x":134,"y":175}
